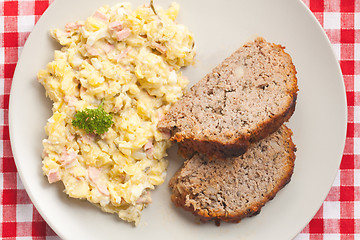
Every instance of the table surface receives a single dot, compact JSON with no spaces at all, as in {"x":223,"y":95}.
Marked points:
{"x":338,"y":217}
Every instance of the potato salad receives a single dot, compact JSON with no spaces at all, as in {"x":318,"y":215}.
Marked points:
{"x":125,"y":63}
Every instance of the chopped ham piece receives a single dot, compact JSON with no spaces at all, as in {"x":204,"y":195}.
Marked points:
{"x":91,"y":50}
{"x":44,"y":154}
{"x":123,"y":54}
{"x":82,"y":90}
{"x":145,"y":198}
{"x":148,"y":145}
{"x":121,"y":35}
{"x":67,"y":157}
{"x":70,"y":137}
{"x":159,"y":47}
{"x":149,"y":148}
{"x":54,"y":175}
{"x":70,"y":100}
{"x":88,"y":138}
{"x":103,"y":190}
{"x":73,"y":26}
{"x":94,"y":174}
{"x":101,"y":16}
{"x":115,"y":26}
{"x":107,"y":47}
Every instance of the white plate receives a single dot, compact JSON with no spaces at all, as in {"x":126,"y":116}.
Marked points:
{"x":220,"y":27}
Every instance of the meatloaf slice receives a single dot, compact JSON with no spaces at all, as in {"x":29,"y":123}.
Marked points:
{"x":244,"y":99}
{"x":238,"y":187}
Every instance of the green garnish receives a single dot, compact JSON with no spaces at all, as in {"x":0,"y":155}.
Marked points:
{"x":93,"y":120}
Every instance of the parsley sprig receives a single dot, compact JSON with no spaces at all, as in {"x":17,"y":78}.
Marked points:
{"x":93,"y":120}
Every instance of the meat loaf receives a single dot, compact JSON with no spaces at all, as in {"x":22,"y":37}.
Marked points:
{"x":238,"y":187}
{"x":244,"y":99}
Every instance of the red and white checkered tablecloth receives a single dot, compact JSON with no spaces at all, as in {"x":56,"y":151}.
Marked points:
{"x":338,"y":217}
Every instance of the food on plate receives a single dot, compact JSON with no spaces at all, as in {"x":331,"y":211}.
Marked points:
{"x":235,"y":188}
{"x":230,"y":129}
{"x":116,"y":75}
{"x":244,"y":99}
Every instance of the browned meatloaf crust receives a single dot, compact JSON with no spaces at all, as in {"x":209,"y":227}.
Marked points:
{"x":238,"y":187}
{"x":244,"y":99}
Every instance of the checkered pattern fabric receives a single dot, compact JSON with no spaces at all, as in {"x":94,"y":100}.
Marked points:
{"x":18,"y":217}
{"x":338,"y":217}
